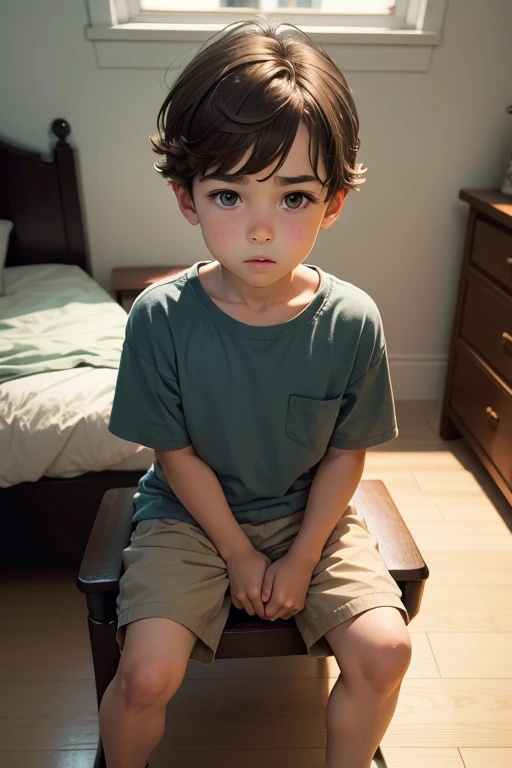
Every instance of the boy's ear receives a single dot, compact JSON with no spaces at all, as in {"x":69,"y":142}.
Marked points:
{"x":185,"y":202}
{"x":333,"y":210}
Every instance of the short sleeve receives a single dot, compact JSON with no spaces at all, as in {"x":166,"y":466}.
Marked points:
{"x":367,"y":413}
{"x":147,"y":406}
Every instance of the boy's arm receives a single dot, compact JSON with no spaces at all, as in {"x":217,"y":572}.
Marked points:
{"x":287,"y":580}
{"x":197,"y":487}
{"x":333,"y":486}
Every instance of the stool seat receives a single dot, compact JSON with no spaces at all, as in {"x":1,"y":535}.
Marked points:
{"x":244,"y":635}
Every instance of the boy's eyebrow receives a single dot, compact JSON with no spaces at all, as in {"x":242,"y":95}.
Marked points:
{"x":280,"y":180}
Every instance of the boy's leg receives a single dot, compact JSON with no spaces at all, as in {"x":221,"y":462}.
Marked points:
{"x":152,"y":667}
{"x":353,"y":609}
{"x":373,"y":652}
{"x":171,"y":607}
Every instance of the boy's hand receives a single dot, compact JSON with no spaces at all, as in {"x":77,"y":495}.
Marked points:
{"x":285,"y":586}
{"x":246,"y":571}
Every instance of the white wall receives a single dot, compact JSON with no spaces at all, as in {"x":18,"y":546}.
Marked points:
{"x":424,"y":136}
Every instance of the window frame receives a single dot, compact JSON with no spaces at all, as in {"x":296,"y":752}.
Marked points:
{"x":405,"y":44}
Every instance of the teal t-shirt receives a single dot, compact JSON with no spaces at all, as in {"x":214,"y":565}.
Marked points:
{"x":259,"y":404}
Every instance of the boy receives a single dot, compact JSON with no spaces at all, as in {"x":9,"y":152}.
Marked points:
{"x":260,"y":382}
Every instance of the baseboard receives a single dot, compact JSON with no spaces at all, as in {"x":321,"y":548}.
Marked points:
{"x":418,"y":377}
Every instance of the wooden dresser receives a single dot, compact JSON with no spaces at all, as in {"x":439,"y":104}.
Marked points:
{"x":478,"y":394}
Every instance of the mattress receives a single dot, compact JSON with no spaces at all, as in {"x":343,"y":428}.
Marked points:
{"x":60,"y":345}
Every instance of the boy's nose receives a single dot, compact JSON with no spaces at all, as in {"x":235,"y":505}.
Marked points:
{"x":261,"y":234}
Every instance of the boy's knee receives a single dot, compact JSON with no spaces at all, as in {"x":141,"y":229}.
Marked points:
{"x":149,"y":683}
{"x":386,"y":668}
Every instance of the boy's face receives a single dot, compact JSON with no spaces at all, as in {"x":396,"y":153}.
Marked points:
{"x":242,"y":221}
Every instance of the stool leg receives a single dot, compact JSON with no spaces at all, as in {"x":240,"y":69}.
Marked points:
{"x":105,"y":654}
{"x":105,"y":659}
{"x":378,"y":759}
{"x":99,"y":760}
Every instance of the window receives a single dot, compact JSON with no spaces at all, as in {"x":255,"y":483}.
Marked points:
{"x":381,"y":13}
{"x":333,"y":6}
{"x":338,"y":7}
{"x":360,"y":35}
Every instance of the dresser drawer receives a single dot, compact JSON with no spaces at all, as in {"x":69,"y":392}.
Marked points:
{"x":487,"y":327}
{"x":492,"y":252}
{"x":486,"y":409}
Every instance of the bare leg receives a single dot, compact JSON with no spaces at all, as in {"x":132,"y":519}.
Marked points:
{"x":152,"y":667}
{"x":356,"y":722}
{"x":373,"y":651}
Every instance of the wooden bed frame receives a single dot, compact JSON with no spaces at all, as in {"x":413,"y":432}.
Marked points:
{"x":47,"y":524}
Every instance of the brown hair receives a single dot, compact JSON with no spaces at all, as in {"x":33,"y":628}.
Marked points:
{"x":248,"y":88}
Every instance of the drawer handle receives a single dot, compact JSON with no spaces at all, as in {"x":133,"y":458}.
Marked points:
{"x":493,"y":417}
{"x":506,"y":340}
{"x":509,"y":260}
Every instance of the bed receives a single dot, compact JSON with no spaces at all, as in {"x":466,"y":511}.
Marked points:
{"x":57,"y":457}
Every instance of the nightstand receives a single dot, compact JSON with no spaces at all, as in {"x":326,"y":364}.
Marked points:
{"x":127,"y":282}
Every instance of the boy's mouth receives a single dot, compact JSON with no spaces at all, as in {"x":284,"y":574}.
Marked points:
{"x":260,"y":265}
{"x":261,"y":259}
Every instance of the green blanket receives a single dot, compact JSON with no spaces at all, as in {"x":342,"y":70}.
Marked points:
{"x":54,"y":317}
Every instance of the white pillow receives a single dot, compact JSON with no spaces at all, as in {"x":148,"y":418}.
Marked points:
{"x":5,"y":231}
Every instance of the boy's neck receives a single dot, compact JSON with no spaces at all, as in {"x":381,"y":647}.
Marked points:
{"x":294,"y":289}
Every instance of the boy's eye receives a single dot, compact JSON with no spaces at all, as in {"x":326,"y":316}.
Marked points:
{"x":227,"y":199}
{"x":293,"y":200}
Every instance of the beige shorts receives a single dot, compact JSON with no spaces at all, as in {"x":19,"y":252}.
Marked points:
{"x":173,"y":570}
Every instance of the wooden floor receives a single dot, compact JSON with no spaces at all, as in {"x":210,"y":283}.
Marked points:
{"x":455,"y":706}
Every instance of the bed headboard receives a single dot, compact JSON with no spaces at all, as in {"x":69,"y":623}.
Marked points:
{"x":42,"y":200}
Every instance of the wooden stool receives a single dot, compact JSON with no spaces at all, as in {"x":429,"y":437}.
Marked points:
{"x":244,"y":636}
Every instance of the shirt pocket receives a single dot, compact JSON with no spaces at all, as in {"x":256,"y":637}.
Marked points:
{"x":311,"y":422}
